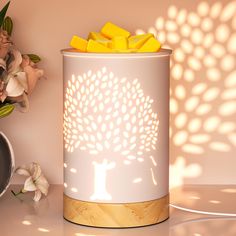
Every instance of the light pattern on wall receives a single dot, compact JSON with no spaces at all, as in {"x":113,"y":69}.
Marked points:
{"x":104,"y":114}
{"x":203,"y":80}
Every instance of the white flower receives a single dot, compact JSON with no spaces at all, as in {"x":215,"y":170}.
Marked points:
{"x":17,"y":81}
{"x":36,"y":181}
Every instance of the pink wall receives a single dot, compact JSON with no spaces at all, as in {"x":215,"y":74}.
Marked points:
{"x":203,"y":116}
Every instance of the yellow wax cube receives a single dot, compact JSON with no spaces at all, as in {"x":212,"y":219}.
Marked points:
{"x":96,"y":36}
{"x":78,"y":43}
{"x":110,"y":30}
{"x":105,"y":42}
{"x":99,"y":38}
{"x":94,"y":46}
{"x":151,"y":45}
{"x":119,"y":42}
{"x":137,"y":41}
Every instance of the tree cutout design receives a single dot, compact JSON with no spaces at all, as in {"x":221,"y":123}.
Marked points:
{"x":104,"y":113}
{"x":203,"y":78}
{"x":100,"y":170}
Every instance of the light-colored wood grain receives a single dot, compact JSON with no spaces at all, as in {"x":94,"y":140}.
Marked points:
{"x":116,"y":215}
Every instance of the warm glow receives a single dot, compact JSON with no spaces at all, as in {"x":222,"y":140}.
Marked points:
{"x":26,"y":222}
{"x":180,"y":170}
{"x":219,"y":146}
{"x":203,"y":109}
{"x":194,"y":197}
{"x":232,"y":138}
{"x":180,"y":92}
{"x":75,"y":190}
{"x":104,"y":113}
{"x":194,"y":125}
{"x":199,"y":88}
{"x":211,"y":123}
{"x":180,"y":138}
{"x":199,"y":138}
{"x":181,"y":120}
{"x":202,"y":102}
{"x":81,"y":234}
{"x":73,"y":170}
{"x":153,"y":161}
{"x":137,"y":180}
{"x":192,"y":148}
{"x":43,"y":230}
{"x":228,"y":108}
{"x":227,"y":127}
{"x":215,"y":201}
{"x":173,"y":106}
{"x":191,"y":103}
{"x":100,"y":170}
{"x":211,"y":94}
{"x":213,"y":74}
{"x":229,"y":94}
{"x":203,"y":9}
{"x":153,"y":177}
{"x":231,"y":80}
{"x":222,"y":33}
{"x":229,"y":190}
{"x":177,"y":71}
{"x":124,"y":117}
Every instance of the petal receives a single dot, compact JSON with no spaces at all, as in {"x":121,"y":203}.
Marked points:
{"x":42,"y":184}
{"x":17,"y":60}
{"x":3,"y":52}
{"x":25,"y":61}
{"x":37,"y":195}
{"x":22,"y":171}
{"x":33,"y":75}
{"x":21,"y":76}
{"x":14,"y":87}
{"x":23,"y":103}
{"x":3,"y":96}
{"x":2,"y":63}
{"x":35,"y":170}
{"x":29,"y":185}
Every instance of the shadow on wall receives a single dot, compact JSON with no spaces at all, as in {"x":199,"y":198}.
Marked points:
{"x":203,"y":84}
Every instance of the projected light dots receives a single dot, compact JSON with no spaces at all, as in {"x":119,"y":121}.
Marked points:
{"x":203,"y":98}
{"x":105,"y":113}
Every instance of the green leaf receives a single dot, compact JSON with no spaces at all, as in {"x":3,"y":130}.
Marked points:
{"x":7,"y":25}
{"x":34,"y":58}
{"x":3,"y":13}
{"x":6,"y":110}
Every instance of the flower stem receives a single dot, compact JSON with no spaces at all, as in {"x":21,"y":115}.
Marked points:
{"x":16,"y":194}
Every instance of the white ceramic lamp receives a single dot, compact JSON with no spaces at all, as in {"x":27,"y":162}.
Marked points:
{"x":116,"y":131}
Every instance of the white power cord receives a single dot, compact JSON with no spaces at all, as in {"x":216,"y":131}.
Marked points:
{"x":203,"y":212}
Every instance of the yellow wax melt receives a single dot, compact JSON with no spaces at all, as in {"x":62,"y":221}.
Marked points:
{"x":105,"y":42}
{"x":119,"y":42}
{"x":94,"y":46}
{"x":151,"y":45}
{"x":111,"y":30}
{"x":137,"y":41}
{"x":96,"y":36}
{"x":99,"y":38}
{"x":114,"y":39}
{"x":78,"y":43}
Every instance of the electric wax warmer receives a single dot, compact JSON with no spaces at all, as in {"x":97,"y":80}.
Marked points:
{"x":116,"y":131}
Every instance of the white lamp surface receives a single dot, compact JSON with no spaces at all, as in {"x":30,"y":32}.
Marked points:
{"x":116,"y":126}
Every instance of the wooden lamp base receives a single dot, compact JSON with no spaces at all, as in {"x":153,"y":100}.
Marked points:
{"x":113,"y":215}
